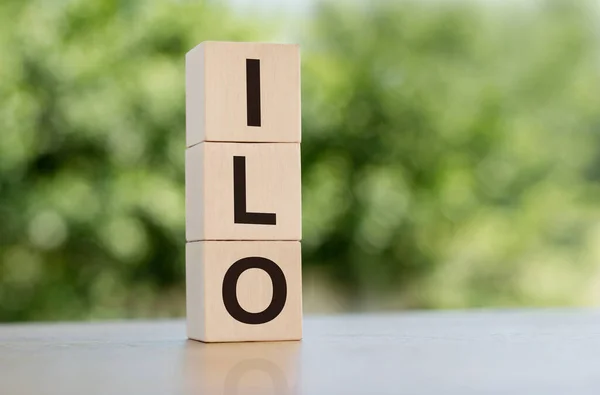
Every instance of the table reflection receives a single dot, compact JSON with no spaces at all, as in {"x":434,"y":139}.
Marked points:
{"x":242,"y":368}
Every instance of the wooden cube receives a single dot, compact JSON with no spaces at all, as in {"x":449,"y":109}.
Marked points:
{"x":243,"y":92}
{"x":244,"y":290}
{"x":243,"y":192}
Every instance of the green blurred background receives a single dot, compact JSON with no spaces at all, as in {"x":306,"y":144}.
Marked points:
{"x":451,"y":152}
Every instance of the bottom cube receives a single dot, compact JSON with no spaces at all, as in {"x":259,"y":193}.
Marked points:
{"x":244,"y":290}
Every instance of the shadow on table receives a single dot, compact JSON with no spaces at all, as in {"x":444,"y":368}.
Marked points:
{"x":242,"y":368}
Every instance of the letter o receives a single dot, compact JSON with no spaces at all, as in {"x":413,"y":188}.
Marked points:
{"x":230,"y":290}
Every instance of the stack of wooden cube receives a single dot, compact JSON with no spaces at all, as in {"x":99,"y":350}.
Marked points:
{"x":243,"y":197}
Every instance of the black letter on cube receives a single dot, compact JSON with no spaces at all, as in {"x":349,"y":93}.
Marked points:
{"x":240,"y":215}
{"x":253,"y":92}
{"x":230,"y":290}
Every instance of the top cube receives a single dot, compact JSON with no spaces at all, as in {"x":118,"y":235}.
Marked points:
{"x":243,"y":92}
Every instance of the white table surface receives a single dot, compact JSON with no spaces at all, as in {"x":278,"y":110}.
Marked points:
{"x":477,"y":352}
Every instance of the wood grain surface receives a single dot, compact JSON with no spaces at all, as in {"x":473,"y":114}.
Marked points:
{"x":272,"y":186}
{"x":486,"y":352}
{"x":216,"y":96}
{"x":206,"y":265}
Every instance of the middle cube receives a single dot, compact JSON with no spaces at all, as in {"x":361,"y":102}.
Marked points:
{"x":243,"y":191}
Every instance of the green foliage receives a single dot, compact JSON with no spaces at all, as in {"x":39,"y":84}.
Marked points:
{"x":450,"y":153}
{"x":92,"y":154}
